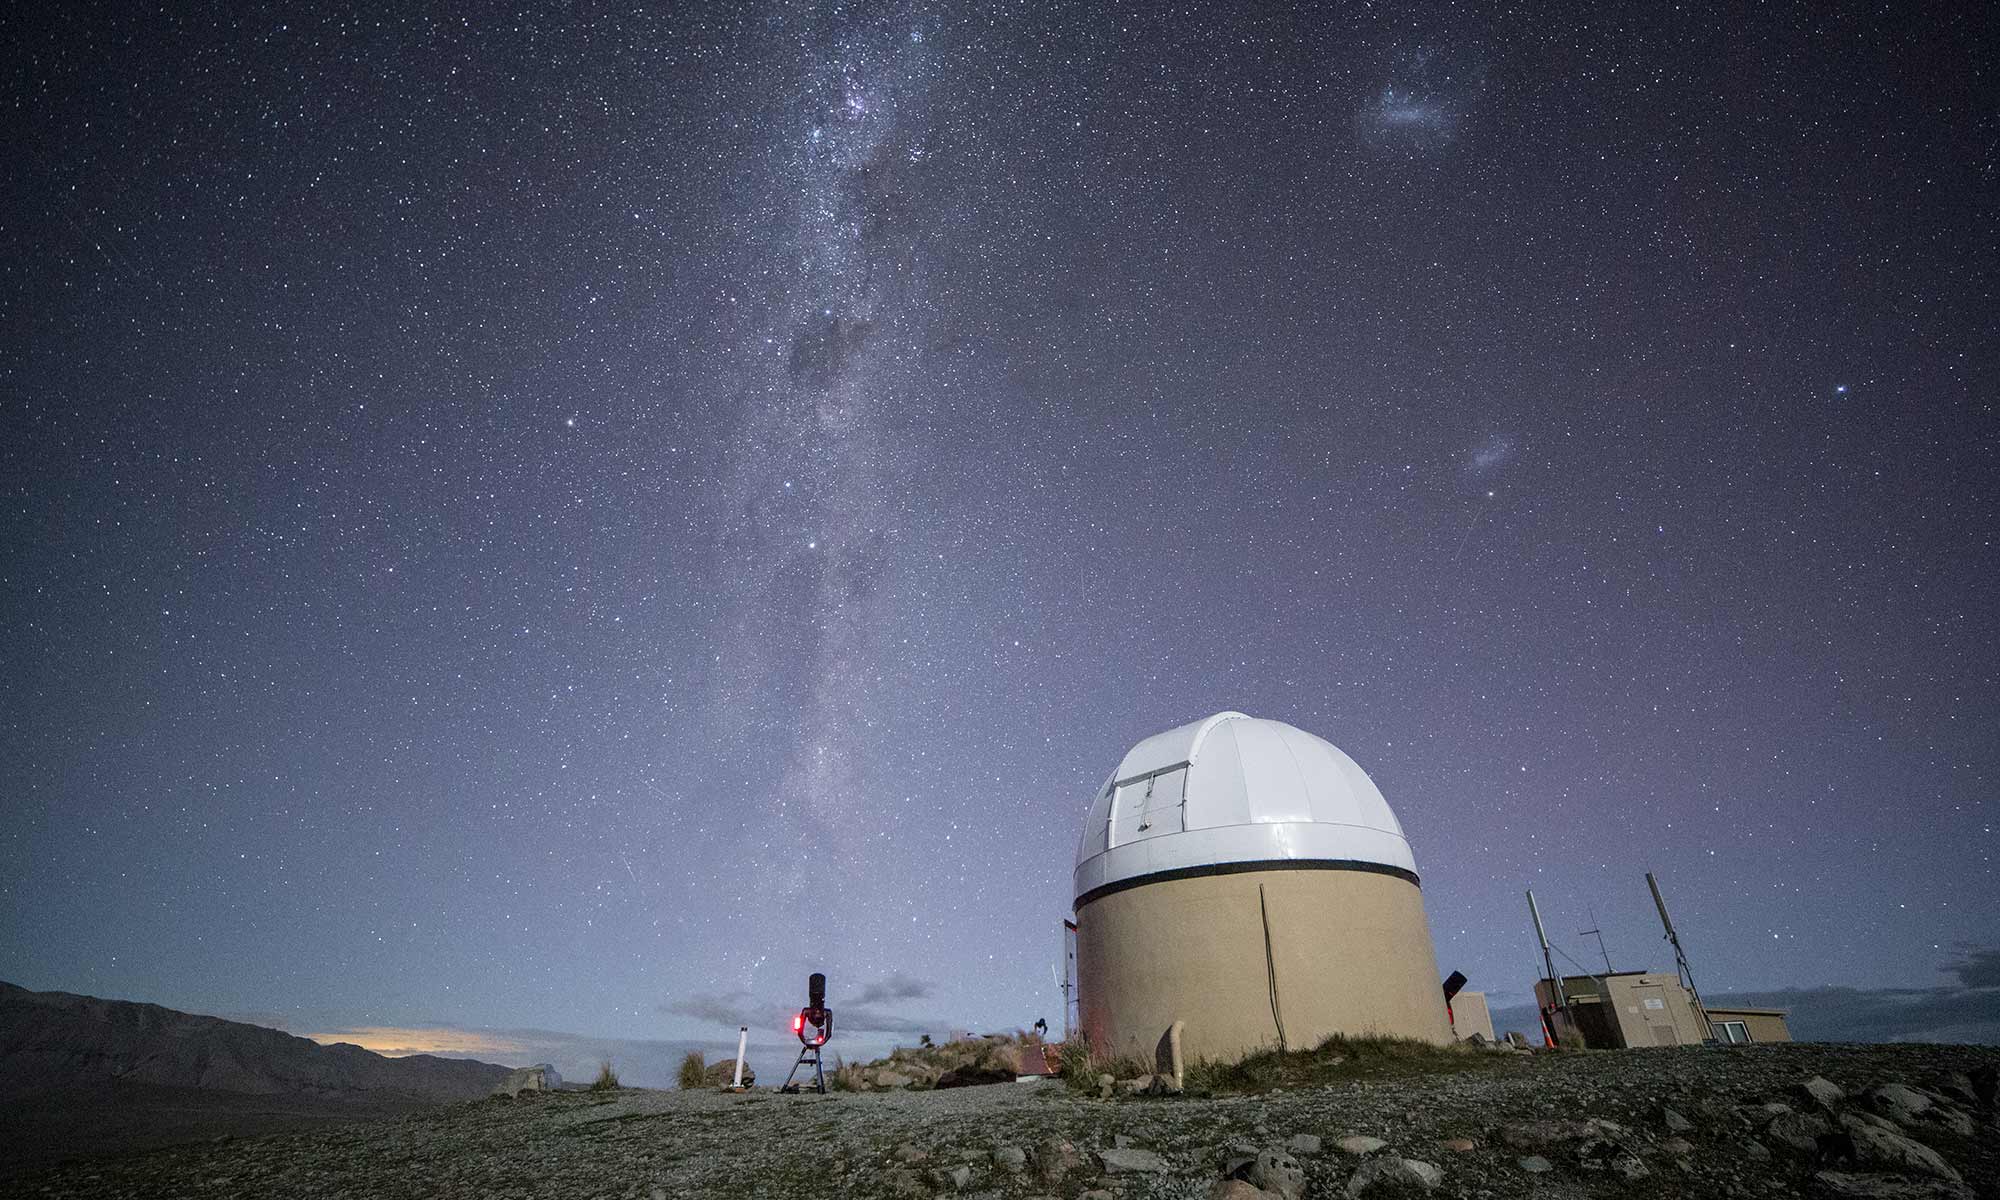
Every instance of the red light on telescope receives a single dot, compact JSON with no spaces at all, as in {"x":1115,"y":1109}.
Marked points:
{"x":798,"y":1022}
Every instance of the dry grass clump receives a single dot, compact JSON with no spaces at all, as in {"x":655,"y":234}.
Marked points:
{"x":1079,"y":1065}
{"x":607,"y":1079}
{"x":694,"y":1072}
{"x":1338,"y":1059}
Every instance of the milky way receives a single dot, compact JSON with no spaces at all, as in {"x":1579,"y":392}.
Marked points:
{"x":575,"y":522}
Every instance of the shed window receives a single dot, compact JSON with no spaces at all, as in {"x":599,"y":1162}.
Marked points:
{"x":1734,"y":1033}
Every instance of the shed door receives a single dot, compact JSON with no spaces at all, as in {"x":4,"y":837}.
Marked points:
{"x":1149,"y":806}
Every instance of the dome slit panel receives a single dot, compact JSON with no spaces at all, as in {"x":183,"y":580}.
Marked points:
{"x":1216,"y":795}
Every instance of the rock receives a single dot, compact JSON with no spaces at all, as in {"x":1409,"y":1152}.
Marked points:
{"x":1120,"y":1141}
{"x":539,"y":1078}
{"x":1304,"y":1143}
{"x":1277,"y":1171}
{"x":1985,"y":1082}
{"x":1054,"y":1160}
{"x":1839,"y":1185}
{"x":1630,"y":1166}
{"x":887,"y":1078}
{"x":907,"y":1153}
{"x":1678,"y":1147}
{"x":723,"y":1074}
{"x":1458,"y":1145}
{"x":1798,"y":1132}
{"x":1900,"y":1103}
{"x":1130,"y":1161}
{"x":902,"y":1181}
{"x":1098,"y":1194}
{"x":1390,"y":1175}
{"x":1011,"y":1159}
{"x":1675,"y":1122}
{"x":972,"y":1075}
{"x":1535,"y":1164}
{"x":1532,"y":1135}
{"x":1877,"y":1147}
{"x":957,"y":1177}
{"x":1359,"y":1145}
{"x":1105,"y":1085}
{"x":1755,"y":1152}
{"x":1821,"y":1093}
{"x":1235,"y":1189}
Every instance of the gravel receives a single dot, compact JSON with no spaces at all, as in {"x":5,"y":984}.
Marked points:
{"x":643,"y":1144}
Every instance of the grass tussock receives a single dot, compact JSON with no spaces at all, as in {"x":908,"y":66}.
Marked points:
{"x":1338,"y":1059}
{"x":607,"y":1079}
{"x":694,"y":1072}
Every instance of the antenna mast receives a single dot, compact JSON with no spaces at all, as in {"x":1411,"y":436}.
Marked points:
{"x":1599,"y":935}
{"x":1548,"y":964}
{"x":1680,"y":956}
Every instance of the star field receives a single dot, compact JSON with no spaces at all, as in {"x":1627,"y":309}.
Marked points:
{"x":577,"y":521}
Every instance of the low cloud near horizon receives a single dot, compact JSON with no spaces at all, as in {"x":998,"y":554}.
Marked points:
{"x":640,"y":1062}
{"x":863,"y":1013}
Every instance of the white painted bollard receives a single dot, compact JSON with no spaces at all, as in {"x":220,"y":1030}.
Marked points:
{"x":742,"y":1044}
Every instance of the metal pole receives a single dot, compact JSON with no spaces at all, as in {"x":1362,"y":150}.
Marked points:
{"x":1548,"y":961}
{"x":1680,"y":957}
{"x":742,"y":1044}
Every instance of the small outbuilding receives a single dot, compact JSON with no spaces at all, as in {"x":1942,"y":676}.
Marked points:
{"x":1247,"y":880}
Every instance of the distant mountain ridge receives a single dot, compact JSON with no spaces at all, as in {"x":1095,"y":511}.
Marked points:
{"x":57,"y":1040}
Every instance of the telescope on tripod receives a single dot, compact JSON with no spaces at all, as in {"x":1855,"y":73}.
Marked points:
{"x":813,"y":1025}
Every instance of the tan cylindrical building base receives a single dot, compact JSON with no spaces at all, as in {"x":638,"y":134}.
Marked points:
{"x":1350,"y":948}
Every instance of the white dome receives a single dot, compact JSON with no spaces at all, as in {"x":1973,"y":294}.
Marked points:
{"x":1229,"y":793}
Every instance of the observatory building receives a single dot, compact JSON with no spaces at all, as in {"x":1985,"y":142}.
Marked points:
{"x":1247,"y":879}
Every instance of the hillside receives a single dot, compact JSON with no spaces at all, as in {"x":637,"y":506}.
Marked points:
{"x":80,"y":1074}
{"x":1781,"y":1120}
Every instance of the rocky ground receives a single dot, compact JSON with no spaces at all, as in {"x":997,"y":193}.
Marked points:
{"x":1800,"y":1120}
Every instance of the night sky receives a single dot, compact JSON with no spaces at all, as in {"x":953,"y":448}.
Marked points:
{"x":518,"y":521}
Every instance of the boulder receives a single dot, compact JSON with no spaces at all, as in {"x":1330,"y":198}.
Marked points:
{"x":539,"y":1078}
{"x":1821,"y":1093}
{"x":1535,"y":1164}
{"x":1985,"y":1083}
{"x":1360,"y":1145}
{"x":1055,"y":1159}
{"x":1130,"y":1161}
{"x":1885,"y":1151}
{"x":1458,"y":1145}
{"x":1276,"y":1171}
{"x":1840,"y":1185}
{"x":1900,"y":1103}
{"x":1304,"y":1143}
{"x":884,"y":1077}
{"x":1389,"y":1175}
{"x":1675,"y":1122}
{"x":1798,"y":1132}
{"x":1532,"y":1135}
{"x":1236,"y":1189}
{"x":722,"y":1074}
{"x":973,"y":1075}
{"x":1011,"y":1159}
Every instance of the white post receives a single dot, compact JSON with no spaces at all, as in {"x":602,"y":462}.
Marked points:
{"x":742,"y":1044}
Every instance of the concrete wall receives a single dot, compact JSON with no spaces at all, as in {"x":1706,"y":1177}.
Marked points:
{"x":1351,"y":949}
{"x":1470,"y":1015}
